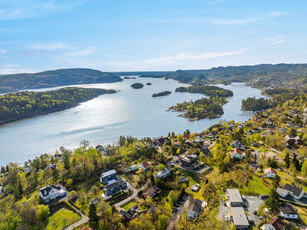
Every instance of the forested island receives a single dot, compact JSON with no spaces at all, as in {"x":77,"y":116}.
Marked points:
{"x":202,"y":108}
{"x":253,"y":104}
{"x":164,"y":93}
{"x":128,"y":78}
{"x":137,"y":86}
{"x":21,"y":105}
{"x":206,"y":90}
{"x":148,"y":83}
{"x":53,"y":78}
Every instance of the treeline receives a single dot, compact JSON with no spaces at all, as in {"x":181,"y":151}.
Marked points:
{"x":202,"y":108}
{"x":206,"y":90}
{"x":253,"y":104}
{"x":20,"y":105}
{"x":164,"y":93}
{"x":53,"y":78}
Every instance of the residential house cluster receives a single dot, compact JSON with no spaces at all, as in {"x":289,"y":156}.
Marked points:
{"x":190,"y":161}
{"x":130,"y":214}
{"x":50,"y":193}
{"x":113,"y":184}
{"x":151,"y":191}
{"x":163,"y":174}
{"x":295,"y":192}
{"x":195,"y":208}
{"x":237,"y":214}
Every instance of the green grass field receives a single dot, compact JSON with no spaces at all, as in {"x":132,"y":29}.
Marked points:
{"x":128,"y":205}
{"x":61,"y":217}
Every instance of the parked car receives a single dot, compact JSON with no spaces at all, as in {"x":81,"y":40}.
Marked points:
{"x":255,"y":211}
{"x":261,"y":218}
{"x":226,"y":218}
{"x":225,"y":204}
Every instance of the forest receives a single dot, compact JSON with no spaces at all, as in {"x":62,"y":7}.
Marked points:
{"x":164,"y":93}
{"x":202,"y":108}
{"x":20,"y":105}
{"x":253,"y":104}
{"x":206,"y":90}
{"x":52,"y":78}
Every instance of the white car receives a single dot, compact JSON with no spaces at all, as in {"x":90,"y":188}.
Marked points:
{"x":226,"y":218}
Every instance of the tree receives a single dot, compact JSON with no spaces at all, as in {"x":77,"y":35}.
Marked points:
{"x":93,"y":218}
{"x":55,"y":175}
{"x":304,"y":169}
{"x":161,"y":167}
{"x":287,"y":160}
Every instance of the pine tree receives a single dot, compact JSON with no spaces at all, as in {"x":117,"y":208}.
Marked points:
{"x":93,"y":217}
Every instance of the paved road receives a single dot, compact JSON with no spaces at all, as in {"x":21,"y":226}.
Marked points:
{"x":83,"y":220}
{"x":175,"y":216}
{"x":223,"y":211}
{"x":134,"y":195}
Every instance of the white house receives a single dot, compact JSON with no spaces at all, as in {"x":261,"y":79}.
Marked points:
{"x":236,"y":154}
{"x":288,"y":212}
{"x":282,"y":192}
{"x":196,"y":207}
{"x":1,"y":190}
{"x":270,"y":173}
{"x":296,"y":192}
{"x":51,"y":192}
{"x":274,"y":224}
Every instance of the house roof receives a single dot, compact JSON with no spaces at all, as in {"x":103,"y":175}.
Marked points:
{"x":288,"y":209}
{"x":110,"y":186}
{"x":239,"y":217}
{"x":108,"y":173}
{"x":276,"y":223}
{"x":270,"y":170}
{"x":196,"y":206}
{"x":296,"y":190}
{"x":46,"y":190}
{"x":145,"y":164}
{"x":151,"y":190}
{"x":282,"y":192}
{"x":234,"y":195}
{"x":94,"y":201}
{"x":235,"y":150}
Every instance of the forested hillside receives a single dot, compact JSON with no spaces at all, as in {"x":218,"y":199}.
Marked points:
{"x":206,"y":90}
{"x":52,"y":78}
{"x":20,"y":105}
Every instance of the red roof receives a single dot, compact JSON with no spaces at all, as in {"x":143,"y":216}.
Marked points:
{"x":270,"y":170}
{"x":236,"y":150}
{"x":145,"y":164}
{"x":277,"y":223}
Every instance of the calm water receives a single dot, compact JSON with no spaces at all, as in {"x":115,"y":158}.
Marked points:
{"x":103,"y":119}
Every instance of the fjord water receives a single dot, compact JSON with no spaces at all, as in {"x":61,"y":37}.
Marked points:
{"x":102,"y":120}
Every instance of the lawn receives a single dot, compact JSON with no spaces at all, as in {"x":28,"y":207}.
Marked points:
{"x":61,"y":217}
{"x":255,"y":186}
{"x":128,"y":205}
{"x":302,"y":213}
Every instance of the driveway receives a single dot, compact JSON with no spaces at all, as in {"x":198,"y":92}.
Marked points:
{"x":134,"y":195}
{"x":223,"y":211}
{"x":175,"y":216}
{"x":253,"y":203}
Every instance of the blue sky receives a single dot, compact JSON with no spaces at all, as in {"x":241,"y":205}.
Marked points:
{"x":132,"y":35}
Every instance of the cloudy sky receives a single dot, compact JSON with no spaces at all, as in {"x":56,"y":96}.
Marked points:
{"x":131,"y":35}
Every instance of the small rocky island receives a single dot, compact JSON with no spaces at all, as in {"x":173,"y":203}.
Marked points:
{"x":148,"y":83}
{"x":129,"y":77}
{"x":137,"y":86}
{"x":164,"y":93}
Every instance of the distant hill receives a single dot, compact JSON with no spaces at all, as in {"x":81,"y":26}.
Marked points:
{"x":53,"y":78}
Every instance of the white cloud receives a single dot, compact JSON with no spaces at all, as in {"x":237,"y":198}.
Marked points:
{"x":21,"y":9}
{"x":234,"y":21}
{"x":51,"y":46}
{"x":273,"y":40}
{"x":81,"y":52}
{"x":2,"y":51}
{"x":13,"y":68}
{"x":179,"y":58}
